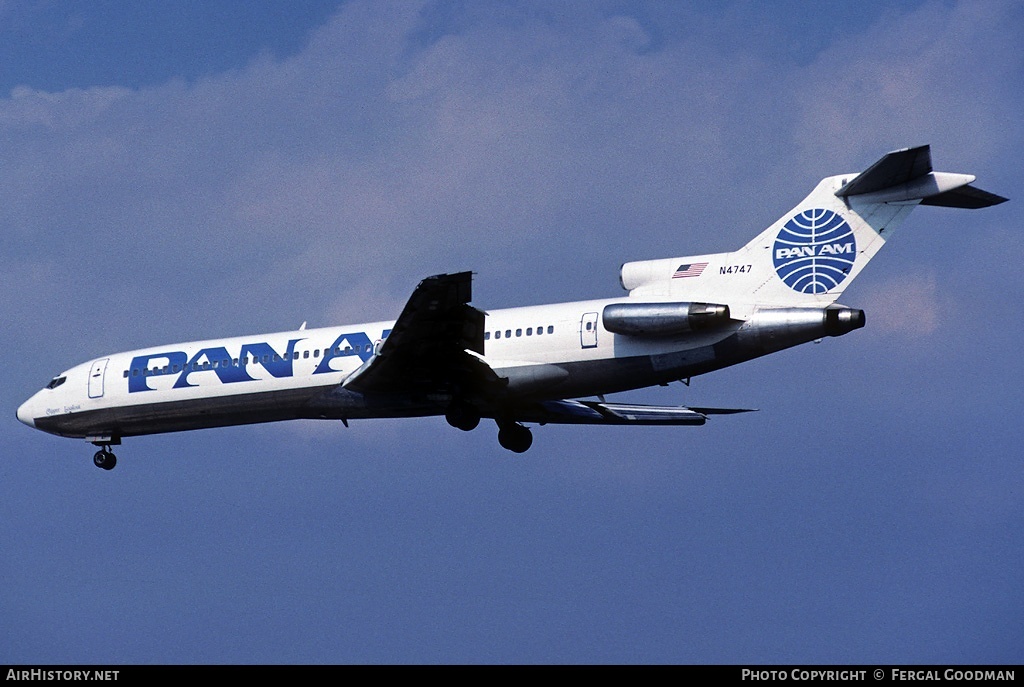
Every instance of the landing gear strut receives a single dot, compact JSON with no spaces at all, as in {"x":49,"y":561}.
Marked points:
{"x":105,"y":459}
{"x":514,"y":437}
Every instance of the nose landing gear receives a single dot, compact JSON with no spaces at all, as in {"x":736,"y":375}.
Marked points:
{"x":105,"y":459}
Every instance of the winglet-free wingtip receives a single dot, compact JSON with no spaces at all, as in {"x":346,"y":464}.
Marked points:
{"x":723,"y":411}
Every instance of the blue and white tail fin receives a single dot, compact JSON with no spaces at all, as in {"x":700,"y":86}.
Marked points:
{"x":810,"y":255}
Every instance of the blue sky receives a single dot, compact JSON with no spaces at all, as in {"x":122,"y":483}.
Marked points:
{"x":192,"y":170}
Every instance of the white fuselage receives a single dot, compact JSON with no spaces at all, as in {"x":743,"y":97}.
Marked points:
{"x":289,"y":375}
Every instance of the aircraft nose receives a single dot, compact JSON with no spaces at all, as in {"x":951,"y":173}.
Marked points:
{"x":25,"y":414}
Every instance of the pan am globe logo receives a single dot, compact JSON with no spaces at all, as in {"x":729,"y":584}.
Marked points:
{"x":815,"y":251}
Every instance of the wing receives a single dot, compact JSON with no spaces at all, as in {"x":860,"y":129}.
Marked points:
{"x":566,"y":412}
{"x":436,"y":347}
{"x":428,"y":349}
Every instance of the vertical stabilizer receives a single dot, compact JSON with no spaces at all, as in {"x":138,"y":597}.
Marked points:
{"x":810,"y":255}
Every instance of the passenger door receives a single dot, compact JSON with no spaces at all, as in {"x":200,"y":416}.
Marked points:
{"x":96,"y":374}
{"x":588,"y":330}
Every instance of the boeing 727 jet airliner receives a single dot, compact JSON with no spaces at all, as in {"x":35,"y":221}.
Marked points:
{"x":683,"y":317}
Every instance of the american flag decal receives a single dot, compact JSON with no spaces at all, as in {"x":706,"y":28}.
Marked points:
{"x":691,"y":270}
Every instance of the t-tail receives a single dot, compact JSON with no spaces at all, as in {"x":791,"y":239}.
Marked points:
{"x":808,"y":257}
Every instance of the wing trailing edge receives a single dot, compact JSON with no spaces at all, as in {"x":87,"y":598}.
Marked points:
{"x":571,"y":412}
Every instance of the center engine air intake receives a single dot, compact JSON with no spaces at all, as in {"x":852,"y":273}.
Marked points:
{"x":663,"y":319}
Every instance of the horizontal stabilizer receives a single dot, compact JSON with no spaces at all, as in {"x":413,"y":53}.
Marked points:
{"x":966,"y":197}
{"x":906,"y":176}
{"x":895,"y":168}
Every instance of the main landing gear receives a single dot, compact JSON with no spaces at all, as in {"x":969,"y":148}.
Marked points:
{"x":463,"y":416}
{"x":511,"y":435}
{"x":514,"y":437}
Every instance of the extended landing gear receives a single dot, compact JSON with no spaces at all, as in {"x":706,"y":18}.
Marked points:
{"x":105,"y":459}
{"x":514,"y":437}
{"x":511,"y":435}
{"x":463,"y":416}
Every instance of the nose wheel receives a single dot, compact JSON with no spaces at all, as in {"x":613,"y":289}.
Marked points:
{"x":105,"y":459}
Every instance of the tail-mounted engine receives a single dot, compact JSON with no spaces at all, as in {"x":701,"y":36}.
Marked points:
{"x":663,"y":319}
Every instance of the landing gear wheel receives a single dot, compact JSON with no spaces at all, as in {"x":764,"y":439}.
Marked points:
{"x":515,"y":438}
{"x":104,"y":459}
{"x":463,"y":416}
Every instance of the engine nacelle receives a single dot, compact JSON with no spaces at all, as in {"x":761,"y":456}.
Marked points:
{"x":663,"y":319}
{"x":773,"y":329}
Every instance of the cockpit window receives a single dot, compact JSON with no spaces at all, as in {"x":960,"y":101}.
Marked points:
{"x":55,"y":382}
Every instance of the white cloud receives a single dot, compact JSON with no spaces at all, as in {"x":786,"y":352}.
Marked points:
{"x":515,"y":148}
{"x":909,"y":305}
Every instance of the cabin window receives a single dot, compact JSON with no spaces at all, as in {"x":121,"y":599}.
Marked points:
{"x":529,"y":331}
{"x":551,"y":329}
{"x":487,"y":336}
{"x":508,"y":333}
{"x":519,"y":332}
{"x":305,"y":354}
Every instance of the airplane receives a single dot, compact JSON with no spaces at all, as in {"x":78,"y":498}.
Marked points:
{"x":544,"y":364}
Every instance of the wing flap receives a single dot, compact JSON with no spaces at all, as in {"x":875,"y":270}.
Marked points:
{"x":570,"y":412}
